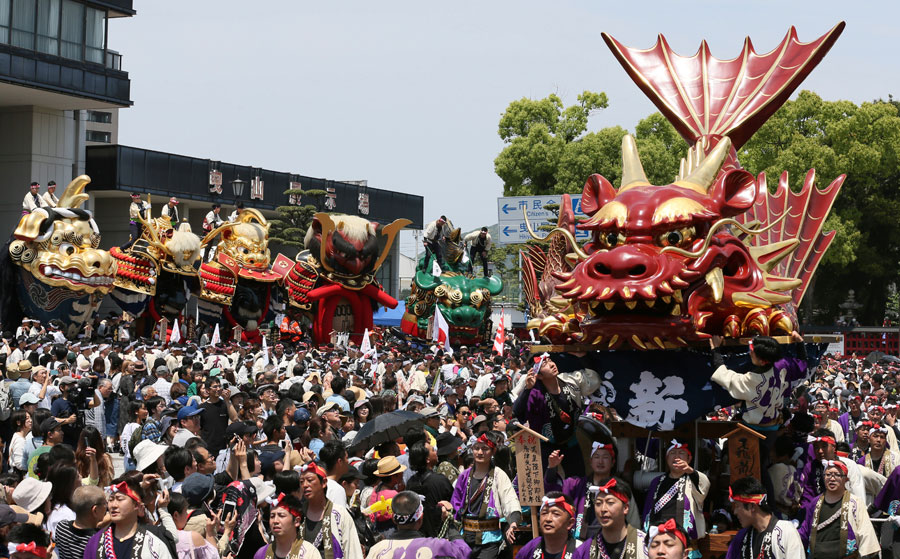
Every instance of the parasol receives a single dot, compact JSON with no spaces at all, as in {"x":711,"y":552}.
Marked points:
{"x":385,"y":428}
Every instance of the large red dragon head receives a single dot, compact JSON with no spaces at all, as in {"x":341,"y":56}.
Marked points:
{"x":662,"y":266}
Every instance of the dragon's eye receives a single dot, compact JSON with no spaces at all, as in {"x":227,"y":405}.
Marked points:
{"x":67,"y":249}
{"x":612,"y":239}
{"x":676,"y":237}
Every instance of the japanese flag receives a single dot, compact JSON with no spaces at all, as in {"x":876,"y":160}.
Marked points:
{"x":216,"y":337}
{"x":265,"y":352}
{"x":366,"y":346}
{"x":175,"y":336}
{"x":500,"y":337}
{"x":435,"y":269}
{"x":441,"y":331}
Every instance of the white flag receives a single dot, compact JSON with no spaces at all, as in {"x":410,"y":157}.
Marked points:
{"x":465,"y":256}
{"x":441,"y":331}
{"x":265,"y":352}
{"x":366,"y":345}
{"x":175,"y":336}
{"x":501,"y":336}
{"x":435,"y":269}
{"x":216,"y":337}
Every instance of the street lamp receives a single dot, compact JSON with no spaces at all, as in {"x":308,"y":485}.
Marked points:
{"x":237,"y":186}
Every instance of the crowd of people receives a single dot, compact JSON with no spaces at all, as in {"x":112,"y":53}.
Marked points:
{"x":117,"y":448}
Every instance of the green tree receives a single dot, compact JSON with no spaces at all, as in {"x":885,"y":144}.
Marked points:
{"x":550,"y":151}
{"x":836,"y":137}
{"x":293,"y":220}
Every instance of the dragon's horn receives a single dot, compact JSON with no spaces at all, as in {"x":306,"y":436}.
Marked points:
{"x":390,"y":231}
{"x":74,"y":195}
{"x":632,"y":170}
{"x":702,"y":95}
{"x":327,"y":228}
{"x":705,"y":173}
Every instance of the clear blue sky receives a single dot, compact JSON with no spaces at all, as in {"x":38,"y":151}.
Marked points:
{"x":408,"y":94}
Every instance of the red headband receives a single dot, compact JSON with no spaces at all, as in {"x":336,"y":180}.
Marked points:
{"x":676,"y":445}
{"x":750,"y":499}
{"x":486,"y":441}
{"x":608,"y":489}
{"x":559,"y":502}
{"x":668,"y":528}
{"x":835,"y":464}
{"x":29,"y":547}
{"x":314,"y":468}
{"x":600,"y":446}
{"x":829,"y":440}
{"x":277,"y":502}
{"x":123,"y":488}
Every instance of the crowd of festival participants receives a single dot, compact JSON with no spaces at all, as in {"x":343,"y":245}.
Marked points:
{"x":229,"y":451}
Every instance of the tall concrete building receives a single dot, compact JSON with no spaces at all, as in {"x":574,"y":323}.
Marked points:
{"x":55,"y":69}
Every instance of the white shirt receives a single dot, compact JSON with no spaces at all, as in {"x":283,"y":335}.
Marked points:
{"x":48,"y":395}
{"x":182,"y":436}
{"x":32,"y":202}
{"x":163,"y":389}
{"x":17,"y":454}
{"x":335,"y":493}
{"x":50,"y":199}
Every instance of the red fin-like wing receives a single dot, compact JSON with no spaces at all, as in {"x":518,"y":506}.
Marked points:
{"x":702,"y":95}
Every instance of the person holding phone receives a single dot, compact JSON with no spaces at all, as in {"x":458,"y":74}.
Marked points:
{"x":174,"y":513}
{"x":197,"y":490}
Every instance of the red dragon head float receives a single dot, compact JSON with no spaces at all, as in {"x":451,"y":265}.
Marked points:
{"x":712,"y":253}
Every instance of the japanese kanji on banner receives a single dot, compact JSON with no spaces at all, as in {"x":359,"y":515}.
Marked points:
{"x":663,"y":389}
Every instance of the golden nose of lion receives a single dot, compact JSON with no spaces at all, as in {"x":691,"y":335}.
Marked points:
{"x":99,"y":260}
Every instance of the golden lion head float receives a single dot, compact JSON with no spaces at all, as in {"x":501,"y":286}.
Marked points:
{"x":59,"y":246}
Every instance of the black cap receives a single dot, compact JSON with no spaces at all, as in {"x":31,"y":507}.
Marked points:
{"x":352,"y":473}
{"x":239,"y":429}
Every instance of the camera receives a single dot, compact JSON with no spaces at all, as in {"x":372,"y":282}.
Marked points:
{"x":81,"y":393}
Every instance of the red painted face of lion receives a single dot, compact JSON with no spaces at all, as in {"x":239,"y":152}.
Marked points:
{"x":351,"y":248}
{"x":661,"y":266}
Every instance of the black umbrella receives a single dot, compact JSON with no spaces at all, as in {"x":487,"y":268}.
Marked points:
{"x":874,"y":356}
{"x":385,"y":428}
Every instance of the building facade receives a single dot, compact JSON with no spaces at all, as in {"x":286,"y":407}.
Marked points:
{"x":55,"y":66}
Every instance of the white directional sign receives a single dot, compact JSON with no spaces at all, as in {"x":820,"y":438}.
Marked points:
{"x":511,"y":211}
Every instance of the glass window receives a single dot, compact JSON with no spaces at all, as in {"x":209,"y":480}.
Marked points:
{"x":97,"y":136}
{"x":23,"y":24}
{"x":72,"y":30}
{"x":94,"y":43}
{"x":4,"y":20}
{"x":48,"y":27}
{"x":100,"y":116}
